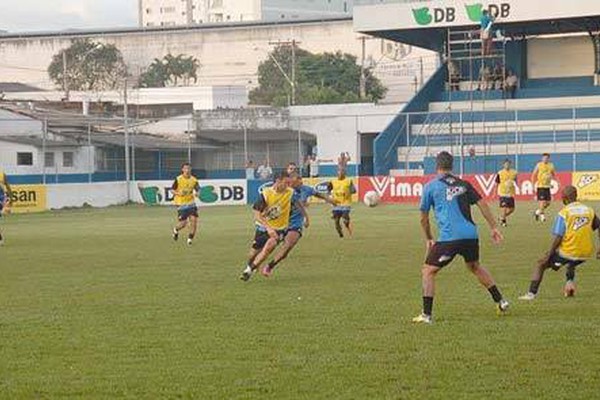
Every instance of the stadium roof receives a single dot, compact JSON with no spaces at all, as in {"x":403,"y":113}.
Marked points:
{"x":185,"y":28}
{"x":425,"y":24}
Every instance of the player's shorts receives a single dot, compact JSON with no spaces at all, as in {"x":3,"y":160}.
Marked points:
{"x":298,"y":229}
{"x":507,"y":202}
{"x":543,"y":194}
{"x":557,"y":261}
{"x":345,"y":214}
{"x":262,"y":237}
{"x":184,"y":213}
{"x":442,"y":253}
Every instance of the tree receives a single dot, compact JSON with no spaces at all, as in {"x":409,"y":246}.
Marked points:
{"x":320,"y":79}
{"x":89,"y":66}
{"x":169,"y":70}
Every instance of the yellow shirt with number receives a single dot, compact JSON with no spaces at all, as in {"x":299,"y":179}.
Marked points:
{"x":544,"y":174}
{"x":576,"y":224}
{"x":507,"y":182}
{"x":341,"y":192}
{"x":185,"y":188}
{"x":278,"y":207}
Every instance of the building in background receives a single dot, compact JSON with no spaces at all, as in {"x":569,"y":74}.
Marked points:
{"x":153,"y":13}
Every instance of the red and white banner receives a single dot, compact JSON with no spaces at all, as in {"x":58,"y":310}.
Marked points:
{"x":409,"y":189}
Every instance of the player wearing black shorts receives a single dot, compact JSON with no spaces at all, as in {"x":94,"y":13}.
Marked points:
{"x":542,"y":175}
{"x":507,"y":185}
{"x":573,"y":243}
{"x":452,"y":199}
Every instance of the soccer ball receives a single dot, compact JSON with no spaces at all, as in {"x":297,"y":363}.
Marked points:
{"x":371,"y":199}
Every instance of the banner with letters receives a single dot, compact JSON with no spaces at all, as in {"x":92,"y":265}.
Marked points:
{"x":409,"y":189}
{"x":212,"y":192}
{"x":28,"y":198}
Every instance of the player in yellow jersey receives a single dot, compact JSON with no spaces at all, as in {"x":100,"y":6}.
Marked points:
{"x":507,"y":187}
{"x":342,"y":188}
{"x":5,"y":198}
{"x":542,"y":176}
{"x":272,"y":218}
{"x":573,"y":243}
{"x":186,"y":188}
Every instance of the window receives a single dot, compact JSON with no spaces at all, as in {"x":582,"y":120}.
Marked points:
{"x":49,"y":160}
{"x":25,"y":159}
{"x":216,"y":4}
{"x":68,"y":159}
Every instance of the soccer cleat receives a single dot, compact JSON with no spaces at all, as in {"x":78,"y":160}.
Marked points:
{"x":266,"y":272}
{"x":502,"y":307}
{"x":569,"y":290}
{"x":542,"y":217}
{"x":189,"y":242}
{"x":245,"y":276}
{"x":527,"y":296}
{"x":1,"y":240}
{"x":175,"y":235}
{"x":422,"y":319}
{"x":503,"y":223}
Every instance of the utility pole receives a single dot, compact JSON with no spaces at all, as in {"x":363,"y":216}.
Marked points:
{"x":363,"y":69}
{"x":294,"y":72}
{"x":292,"y":77}
{"x":126,"y":130}
{"x":65,"y":83}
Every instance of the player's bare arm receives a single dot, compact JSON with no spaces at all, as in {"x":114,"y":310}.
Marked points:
{"x":426,"y":227}
{"x":303,"y":211}
{"x":491,"y":221}
{"x":326,"y":199}
{"x":534,"y":174}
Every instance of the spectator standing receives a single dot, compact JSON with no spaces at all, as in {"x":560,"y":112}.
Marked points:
{"x":487,"y":41}
{"x":314,"y":166}
{"x":264,"y":171}
{"x":511,"y":84}
{"x":343,"y":161}
{"x":250,"y":170}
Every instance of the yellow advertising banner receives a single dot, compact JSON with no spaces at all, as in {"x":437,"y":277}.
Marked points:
{"x":587,"y":184}
{"x":320,"y":185}
{"x":28,"y":198}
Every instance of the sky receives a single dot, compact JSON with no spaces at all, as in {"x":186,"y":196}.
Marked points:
{"x":42,"y":15}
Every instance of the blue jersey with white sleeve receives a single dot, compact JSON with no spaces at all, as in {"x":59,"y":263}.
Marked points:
{"x":451,"y":199}
{"x":301,"y":195}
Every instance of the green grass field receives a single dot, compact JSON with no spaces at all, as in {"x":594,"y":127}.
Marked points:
{"x":102,"y":304}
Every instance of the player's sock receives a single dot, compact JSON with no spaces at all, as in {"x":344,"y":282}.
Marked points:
{"x":338,"y":228}
{"x":534,"y":287}
{"x":427,"y":305}
{"x":570,"y":274}
{"x":496,"y":295}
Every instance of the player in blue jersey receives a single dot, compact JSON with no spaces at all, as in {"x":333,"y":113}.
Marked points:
{"x":451,"y":199}
{"x":302,"y":194}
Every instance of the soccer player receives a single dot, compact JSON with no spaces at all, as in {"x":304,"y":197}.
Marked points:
{"x":572,"y":245}
{"x":451,"y":199}
{"x":507,"y":184}
{"x":5,"y":196}
{"x":272,"y":213}
{"x":298,"y":221}
{"x":342,"y":188}
{"x":186,"y":188}
{"x":542,"y":176}
{"x":291,"y":168}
